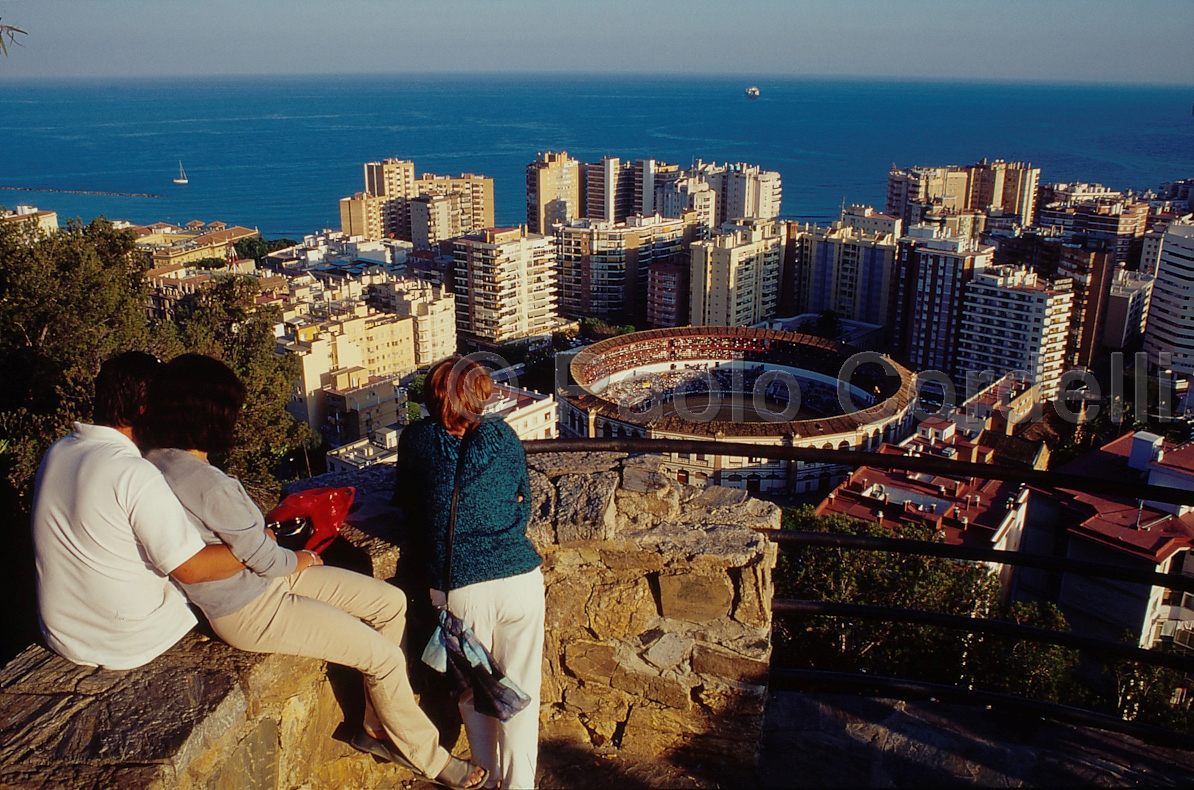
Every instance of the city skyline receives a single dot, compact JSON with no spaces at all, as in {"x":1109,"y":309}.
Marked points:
{"x":1065,"y":41}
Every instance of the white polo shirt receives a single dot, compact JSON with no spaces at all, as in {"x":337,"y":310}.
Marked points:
{"x":106,"y":531}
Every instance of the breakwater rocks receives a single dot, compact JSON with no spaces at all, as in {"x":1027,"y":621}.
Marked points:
{"x":658,"y":641}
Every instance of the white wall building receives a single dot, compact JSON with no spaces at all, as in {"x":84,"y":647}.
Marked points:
{"x":1170,"y":327}
{"x":1012,"y":321}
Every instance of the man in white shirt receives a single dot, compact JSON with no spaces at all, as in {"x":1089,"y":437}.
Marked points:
{"x":108,"y":534}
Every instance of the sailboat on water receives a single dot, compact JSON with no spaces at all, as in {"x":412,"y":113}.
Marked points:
{"x":182,"y":174}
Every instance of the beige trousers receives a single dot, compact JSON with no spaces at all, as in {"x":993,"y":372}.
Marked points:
{"x":319,"y":613}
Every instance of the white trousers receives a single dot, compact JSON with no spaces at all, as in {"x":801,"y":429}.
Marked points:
{"x":507,"y":617}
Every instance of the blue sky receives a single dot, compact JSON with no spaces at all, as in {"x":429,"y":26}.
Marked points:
{"x":1142,"y":41}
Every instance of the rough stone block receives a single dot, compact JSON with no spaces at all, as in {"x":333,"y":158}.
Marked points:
{"x":665,"y":691}
{"x":655,"y":732}
{"x":567,"y":606}
{"x":601,"y":709}
{"x":668,"y":651}
{"x":755,"y":592}
{"x":737,"y":701}
{"x":558,"y":726}
{"x":253,"y":763}
{"x":695,"y":597}
{"x":590,"y":661}
{"x":541,"y":528}
{"x":585,"y":509}
{"x":718,"y":496}
{"x":628,"y":556}
{"x":718,"y":663}
{"x":558,"y":464}
{"x":621,"y":610}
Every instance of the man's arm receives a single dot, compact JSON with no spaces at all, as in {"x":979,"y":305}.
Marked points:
{"x":210,"y":564}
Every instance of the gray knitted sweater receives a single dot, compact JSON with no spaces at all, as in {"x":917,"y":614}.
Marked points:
{"x":219,"y":507}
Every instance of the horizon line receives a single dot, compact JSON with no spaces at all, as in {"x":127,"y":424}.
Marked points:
{"x":672,"y":75}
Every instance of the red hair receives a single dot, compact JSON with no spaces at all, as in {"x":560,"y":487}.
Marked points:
{"x":456,"y":390}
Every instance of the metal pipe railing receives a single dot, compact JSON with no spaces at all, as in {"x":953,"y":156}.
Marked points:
{"x":982,"y":625}
{"x":926,"y":548}
{"x":853,"y":458}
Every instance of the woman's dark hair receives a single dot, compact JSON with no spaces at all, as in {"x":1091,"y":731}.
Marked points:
{"x":194,"y":402}
{"x":121,"y":388}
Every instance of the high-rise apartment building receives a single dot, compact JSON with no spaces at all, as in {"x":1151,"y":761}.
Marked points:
{"x":688,"y":193}
{"x":1120,"y":224}
{"x":436,"y":218}
{"x":935,"y":271}
{"x":433,"y":308}
{"x":847,"y":268}
{"x":384,"y":209}
{"x":616,"y":190}
{"x":1170,"y":326}
{"x":603,"y":265}
{"x":668,"y":292}
{"x":475,"y":194}
{"x":505,"y":286}
{"x":993,"y":188}
{"x":1091,"y":267}
{"x":605,"y":190}
{"x":718,"y":193}
{"x":1013,"y":322}
{"x":553,"y":191}
{"x":1127,"y":309}
{"x":363,"y":215}
{"x":735,"y":275}
{"x":390,"y":178}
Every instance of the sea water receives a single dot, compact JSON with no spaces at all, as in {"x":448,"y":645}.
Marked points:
{"x":278,"y":153}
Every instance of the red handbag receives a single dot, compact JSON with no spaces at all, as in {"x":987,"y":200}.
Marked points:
{"x":311,"y":519}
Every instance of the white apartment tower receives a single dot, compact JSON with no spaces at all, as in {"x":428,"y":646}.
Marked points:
{"x":1170,"y":327}
{"x":505,"y":285}
{"x":735,"y":275}
{"x":1013,"y":321}
{"x":433,"y":308}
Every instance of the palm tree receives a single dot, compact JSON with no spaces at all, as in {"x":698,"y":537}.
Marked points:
{"x":9,"y":32}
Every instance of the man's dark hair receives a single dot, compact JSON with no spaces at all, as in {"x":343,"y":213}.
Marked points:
{"x":121,"y":388}
{"x":194,"y":402}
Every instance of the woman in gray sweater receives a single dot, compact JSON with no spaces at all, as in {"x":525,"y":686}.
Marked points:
{"x":285,"y":601}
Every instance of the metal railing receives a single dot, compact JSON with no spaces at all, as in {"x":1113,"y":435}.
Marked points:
{"x":909,"y":689}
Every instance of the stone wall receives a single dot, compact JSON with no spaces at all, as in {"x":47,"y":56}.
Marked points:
{"x":658,"y":640}
{"x":658,"y":609}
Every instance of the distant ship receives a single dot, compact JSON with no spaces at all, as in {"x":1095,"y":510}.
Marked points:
{"x":182,"y":174}
{"x":752,"y":92}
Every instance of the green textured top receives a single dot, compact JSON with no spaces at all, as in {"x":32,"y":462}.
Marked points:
{"x":491,"y":541}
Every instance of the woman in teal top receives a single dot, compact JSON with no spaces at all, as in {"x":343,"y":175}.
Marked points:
{"x":496,"y":586}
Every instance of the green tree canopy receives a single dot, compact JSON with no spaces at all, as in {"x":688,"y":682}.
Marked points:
{"x":68,"y":301}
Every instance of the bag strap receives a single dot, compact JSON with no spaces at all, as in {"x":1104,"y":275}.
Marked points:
{"x":455,"y":507}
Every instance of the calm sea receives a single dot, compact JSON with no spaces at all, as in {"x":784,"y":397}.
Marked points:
{"x":278,"y":153}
